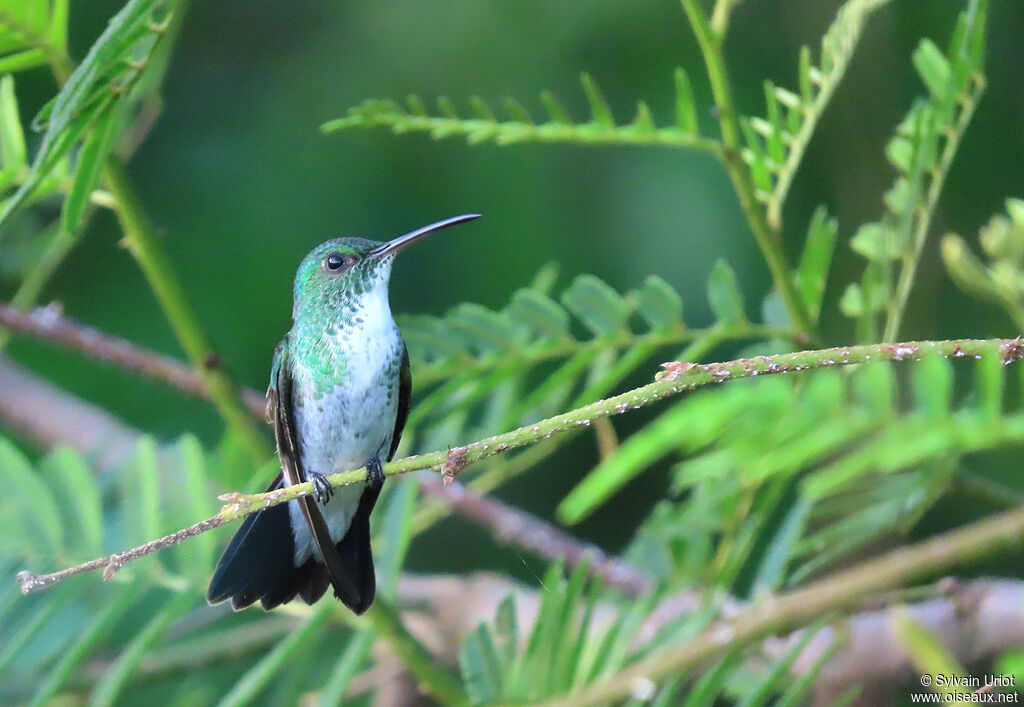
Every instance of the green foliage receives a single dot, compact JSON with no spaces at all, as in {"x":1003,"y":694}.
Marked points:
{"x":32,"y":34}
{"x":486,"y":371}
{"x":776,"y":143}
{"x":1001,"y":280}
{"x":150,"y":623}
{"x":774,"y":481}
{"x":921,"y":151}
{"x":63,"y":524}
{"x":88,"y":105}
{"x":572,"y":643}
{"x":483,"y":126}
{"x":584,"y":634}
{"x":840,"y":460}
{"x":812,"y":272}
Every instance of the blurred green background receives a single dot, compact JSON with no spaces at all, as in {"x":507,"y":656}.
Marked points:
{"x":241,"y":184}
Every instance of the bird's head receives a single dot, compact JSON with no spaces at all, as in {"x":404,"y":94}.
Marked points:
{"x":339,"y":272}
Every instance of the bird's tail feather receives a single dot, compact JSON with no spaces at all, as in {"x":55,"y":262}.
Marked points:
{"x":259,"y":564}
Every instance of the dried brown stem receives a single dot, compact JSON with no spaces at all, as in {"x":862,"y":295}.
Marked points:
{"x":515,"y":527}
{"x":49,"y":324}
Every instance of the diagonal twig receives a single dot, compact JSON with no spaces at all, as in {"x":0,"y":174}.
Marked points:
{"x":977,"y":619}
{"x":677,"y":378}
{"x":508,"y":524}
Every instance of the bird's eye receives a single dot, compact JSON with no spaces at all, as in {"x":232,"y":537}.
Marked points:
{"x":336,"y":261}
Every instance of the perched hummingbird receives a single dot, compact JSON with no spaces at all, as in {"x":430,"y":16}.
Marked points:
{"x":338,"y":400}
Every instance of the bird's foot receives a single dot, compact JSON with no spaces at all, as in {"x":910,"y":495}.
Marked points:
{"x":374,"y":474}
{"x":322,"y":489}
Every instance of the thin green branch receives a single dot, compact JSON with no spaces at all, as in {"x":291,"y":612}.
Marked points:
{"x":767,"y":240}
{"x":143,"y":245}
{"x":678,"y":377}
{"x":785,"y":612}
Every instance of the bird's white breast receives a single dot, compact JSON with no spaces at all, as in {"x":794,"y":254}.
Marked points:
{"x":349,"y":424}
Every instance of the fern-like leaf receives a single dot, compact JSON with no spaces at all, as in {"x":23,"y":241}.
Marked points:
{"x":922,"y":152}
{"x":88,"y":101}
{"x":503,"y":368}
{"x":483,"y":126}
{"x":777,"y":142}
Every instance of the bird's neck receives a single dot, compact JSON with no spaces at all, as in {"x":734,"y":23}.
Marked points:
{"x":354,"y":338}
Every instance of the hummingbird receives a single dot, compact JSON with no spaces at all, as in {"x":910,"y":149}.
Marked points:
{"x":338,"y":399}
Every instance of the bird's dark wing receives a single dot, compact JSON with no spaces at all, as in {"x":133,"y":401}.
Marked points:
{"x":404,"y":394}
{"x":279,"y":406}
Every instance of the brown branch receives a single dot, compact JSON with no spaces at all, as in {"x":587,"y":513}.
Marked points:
{"x":49,"y":324}
{"x":516,"y":527}
{"x":47,"y":415}
{"x":841,"y":591}
{"x":975,"y":622}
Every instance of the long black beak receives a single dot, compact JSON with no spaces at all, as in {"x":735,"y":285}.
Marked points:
{"x":402,"y":242}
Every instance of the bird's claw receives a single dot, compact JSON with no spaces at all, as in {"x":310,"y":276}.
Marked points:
{"x":322,"y":489}
{"x":374,"y":473}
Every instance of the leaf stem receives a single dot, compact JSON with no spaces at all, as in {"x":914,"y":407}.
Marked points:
{"x":428,"y":373}
{"x":388,"y":114}
{"x":143,"y":245}
{"x":768,"y":241}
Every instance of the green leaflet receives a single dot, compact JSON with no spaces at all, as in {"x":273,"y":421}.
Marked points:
{"x":78,"y":498}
